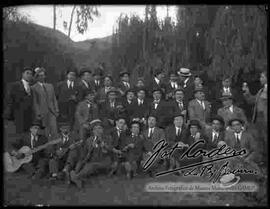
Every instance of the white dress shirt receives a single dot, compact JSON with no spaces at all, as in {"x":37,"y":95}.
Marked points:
{"x":140,"y":102}
{"x":214,"y":133}
{"x":70,"y":83}
{"x":238,"y":135}
{"x":177,"y":130}
{"x":126,"y":84}
{"x":85,"y":83}
{"x":226,"y":90}
{"x":26,"y":86}
{"x":156,"y":102}
{"x":151,"y":130}
{"x":185,"y":82}
{"x":201,"y":103}
{"x":33,"y":138}
{"x":157,"y":81}
{"x":174,"y":85}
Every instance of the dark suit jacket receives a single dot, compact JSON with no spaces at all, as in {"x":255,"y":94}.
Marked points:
{"x":158,"y":134}
{"x":83,"y":89}
{"x":96,"y":87}
{"x":160,"y":112}
{"x":122,"y":87}
{"x":170,"y":133}
{"x":72,"y":138}
{"x":67,"y":106}
{"x":175,"y":109}
{"x":188,"y":90}
{"x":170,"y":89}
{"x":128,"y":108}
{"x":19,"y":107}
{"x":210,"y":144}
{"x":117,"y":142}
{"x":153,"y":85}
{"x":196,"y":112}
{"x":136,"y":153}
{"x":140,"y":111}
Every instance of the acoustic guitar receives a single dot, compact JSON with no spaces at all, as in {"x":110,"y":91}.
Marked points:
{"x":12,"y":163}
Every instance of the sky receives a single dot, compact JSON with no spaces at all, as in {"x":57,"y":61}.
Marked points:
{"x":102,"y":26}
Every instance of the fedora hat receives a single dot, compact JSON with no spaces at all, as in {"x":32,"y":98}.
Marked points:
{"x":98,"y":71}
{"x":112,"y":89}
{"x":123,"y":72}
{"x":236,"y":119}
{"x":229,"y":180}
{"x":194,"y":123}
{"x":197,"y":89}
{"x":157,"y":89}
{"x":95,"y":122}
{"x":219,"y":118}
{"x":184,"y":72}
{"x":37,"y":123}
{"x":39,"y":70}
{"x":26,"y":69}
{"x":134,"y":121}
{"x":74,"y":70}
{"x":84,"y":70}
{"x":226,"y":96}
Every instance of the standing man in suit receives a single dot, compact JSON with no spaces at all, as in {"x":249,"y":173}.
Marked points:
{"x":215,"y":133}
{"x":229,"y":110}
{"x":20,"y":102}
{"x":36,"y":169}
{"x":85,"y":82}
{"x":110,"y":108}
{"x":187,"y":83}
{"x":172,"y":85}
{"x":45,"y":103}
{"x":259,"y":117}
{"x":157,"y":82}
{"x":127,"y":102}
{"x":87,"y":110}
{"x":97,"y":83}
{"x":124,"y":84}
{"x":199,"y":108}
{"x":158,"y":107}
{"x":67,"y":95}
{"x":102,"y":92}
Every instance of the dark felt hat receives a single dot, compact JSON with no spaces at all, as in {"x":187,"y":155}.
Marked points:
{"x":27,"y":68}
{"x":219,"y":118}
{"x":199,"y":89}
{"x":178,"y":115}
{"x":226,"y":96}
{"x":236,"y":119}
{"x":98,"y":71}
{"x":95,"y":122}
{"x":74,"y":70}
{"x":123,"y":72}
{"x":157,"y":71}
{"x":157,"y":89}
{"x":38,"y":123}
{"x":84,"y":70}
{"x":194,"y":123}
{"x":112,"y":89}
{"x":130,"y":90}
{"x":135,"y":122}
{"x":38,"y":70}
{"x":152,"y":115}
{"x":178,"y":89}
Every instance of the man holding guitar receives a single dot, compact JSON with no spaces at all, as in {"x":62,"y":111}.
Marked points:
{"x":37,"y":167}
{"x":64,"y":154}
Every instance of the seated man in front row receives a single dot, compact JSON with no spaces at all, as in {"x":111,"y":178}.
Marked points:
{"x":95,"y":154}
{"x":64,"y":154}
{"x":37,"y":167}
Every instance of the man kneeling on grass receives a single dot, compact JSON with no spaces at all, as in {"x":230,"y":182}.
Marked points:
{"x":95,"y":154}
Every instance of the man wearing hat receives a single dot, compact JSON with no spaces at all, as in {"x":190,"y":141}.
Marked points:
{"x":86,"y":111}
{"x":187,"y":83}
{"x":102,"y":92}
{"x":175,"y":134}
{"x":140,"y":83}
{"x":229,"y":110}
{"x":110,"y":108}
{"x":19,"y":106}
{"x":95,"y":154}
{"x":178,"y":104}
{"x":45,"y":103}
{"x":239,"y":139}
{"x":158,"y":107}
{"x":63,"y":154}
{"x":127,"y":102}
{"x":199,"y":108}
{"x":215,"y":133}
{"x":67,"y":95}
{"x":124,"y":84}
{"x":153,"y":134}
{"x":140,"y":106}
{"x":33,"y":139}
{"x":85,"y":81}
{"x":119,"y":135}
{"x":97,"y":82}
{"x":157,"y":81}
{"x":172,"y":85}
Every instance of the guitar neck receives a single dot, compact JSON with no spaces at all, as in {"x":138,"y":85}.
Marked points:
{"x":41,"y":147}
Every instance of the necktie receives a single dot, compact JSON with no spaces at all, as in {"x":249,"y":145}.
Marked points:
{"x":178,"y":132}
{"x":119,"y":132}
{"x":180,"y":104}
{"x":32,"y":141}
{"x":215,"y":137}
{"x":27,"y":88}
{"x":151,"y":133}
{"x":112,"y":105}
{"x":237,"y":144}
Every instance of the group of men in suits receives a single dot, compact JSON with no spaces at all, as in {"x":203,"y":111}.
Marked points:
{"x":120,"y":124}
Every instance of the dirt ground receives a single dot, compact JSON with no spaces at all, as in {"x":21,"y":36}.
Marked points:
{"x":101,"y":190}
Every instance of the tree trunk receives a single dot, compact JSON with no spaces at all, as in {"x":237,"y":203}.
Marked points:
{"x":54,"y":17}
{"x":71,"y":19}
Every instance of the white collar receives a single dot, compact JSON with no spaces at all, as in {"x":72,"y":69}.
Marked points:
{"x":25,"y":82}
{"x":157,"y":80}
{"x":228,"y":88}
{"x":240,"y":134}
{"x":140,"y":100}
{"x":41,"y":84}
{"x":34,"y":137}
{"x":186,"y":80}
{"x":85,"y":83}
{"x":200,"y":101}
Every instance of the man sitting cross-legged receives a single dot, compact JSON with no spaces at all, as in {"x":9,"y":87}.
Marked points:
{"x":95,"y":154}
